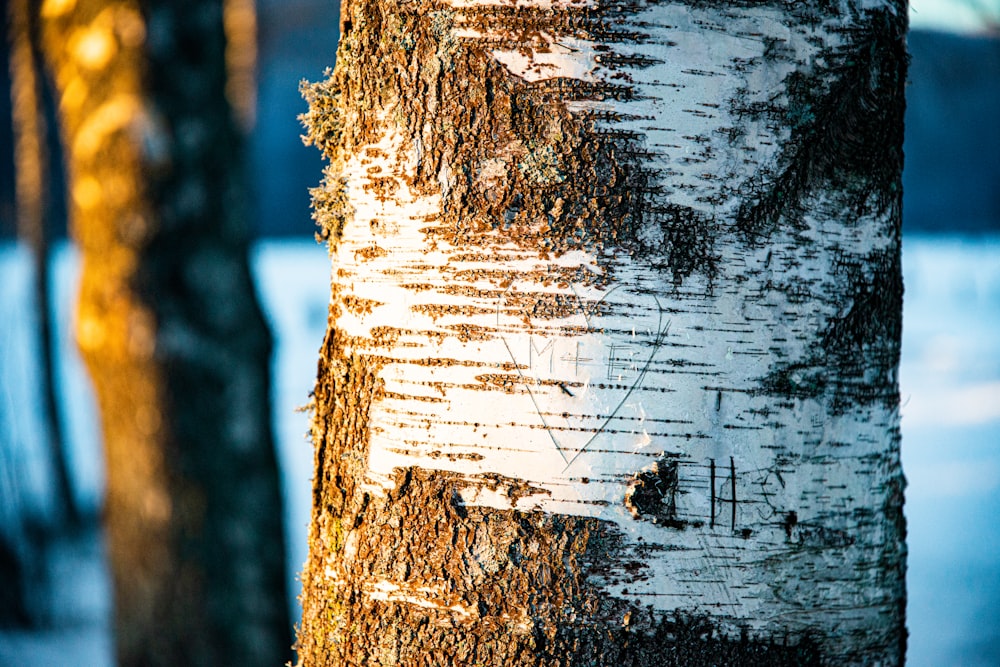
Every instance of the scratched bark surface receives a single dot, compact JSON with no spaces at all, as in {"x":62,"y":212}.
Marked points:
{"x":614,"y":329}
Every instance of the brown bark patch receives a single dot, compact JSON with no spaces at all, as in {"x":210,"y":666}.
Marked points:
{"x":418,"y":577}
{"x":513,"y":163}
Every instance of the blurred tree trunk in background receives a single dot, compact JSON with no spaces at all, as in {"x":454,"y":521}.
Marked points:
{"x":611,"y":375}
{"x":170,"y":329}
{"x":34,"y":224}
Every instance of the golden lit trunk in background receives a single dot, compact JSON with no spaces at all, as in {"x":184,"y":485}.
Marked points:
{"x":171,"y":333}
{"x":611,"y":369}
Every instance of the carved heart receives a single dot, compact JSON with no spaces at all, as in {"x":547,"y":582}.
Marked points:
{"x":583,"y":361}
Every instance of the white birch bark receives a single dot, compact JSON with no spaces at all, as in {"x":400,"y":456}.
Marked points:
{"x":693,"y":344}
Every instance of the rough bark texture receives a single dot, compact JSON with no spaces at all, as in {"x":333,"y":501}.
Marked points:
{"x":171,"y":332}
{"x":611,"y":369}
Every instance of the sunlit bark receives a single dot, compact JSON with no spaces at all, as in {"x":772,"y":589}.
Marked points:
{"x":170,"y":330}
{"x":611,"y":370}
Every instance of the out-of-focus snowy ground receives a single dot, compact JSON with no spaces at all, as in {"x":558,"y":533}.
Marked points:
{"x":950,"y":382}
{"x":951,"y":445}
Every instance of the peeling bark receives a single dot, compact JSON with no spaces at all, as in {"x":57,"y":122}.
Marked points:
{"x":611,"y":368}
{"x":171,"y":332}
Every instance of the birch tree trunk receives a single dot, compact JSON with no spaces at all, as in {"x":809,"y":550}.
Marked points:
{"x":610,"y":377}
{"x":171,"y":332}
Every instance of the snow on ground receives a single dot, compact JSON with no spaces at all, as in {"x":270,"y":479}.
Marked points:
{"x":293,"y":280}
{"x":950,"y":378}
{"x":70,"y":593}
